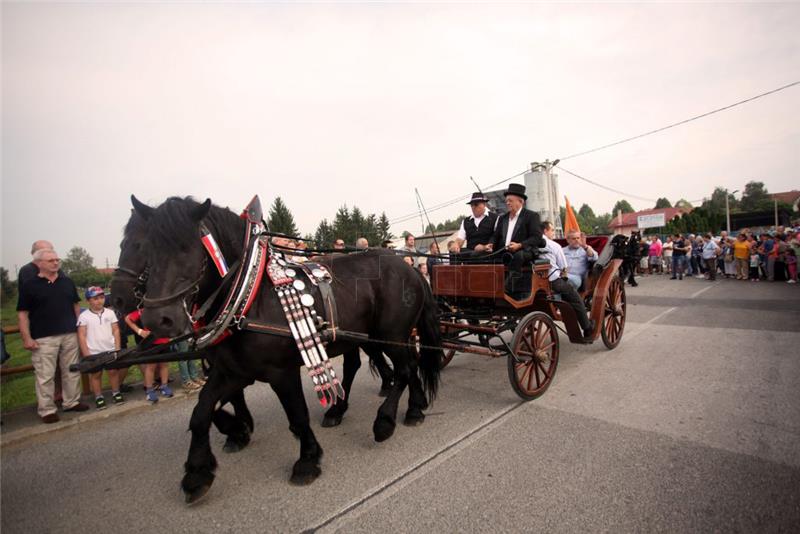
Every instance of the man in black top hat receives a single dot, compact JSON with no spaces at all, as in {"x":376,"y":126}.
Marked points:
{"x":519,"y":233}
{"x":477,"y":231}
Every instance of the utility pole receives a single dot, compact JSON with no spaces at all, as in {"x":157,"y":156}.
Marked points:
{"x":728,"y":209}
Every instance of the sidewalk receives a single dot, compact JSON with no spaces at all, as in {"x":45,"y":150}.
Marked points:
{"x":24,"y":424}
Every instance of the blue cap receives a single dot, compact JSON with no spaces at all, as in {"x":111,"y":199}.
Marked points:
{"x":94,"y":291}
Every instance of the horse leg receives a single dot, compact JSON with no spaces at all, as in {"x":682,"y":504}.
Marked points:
{"x":237,"y":427}
{"x":416,"y":398}
{"x":287,"y":385}
{"x":386,"y":373}
{"x":201,"y":463}
{"x":351,"y":365}
{"x":384,"y":424}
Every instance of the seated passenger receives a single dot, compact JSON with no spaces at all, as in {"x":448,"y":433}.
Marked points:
{"x":558,"y":279}
{"x":578,"y":255}
{"x":519,"y":233}
{"x":476,"y":232}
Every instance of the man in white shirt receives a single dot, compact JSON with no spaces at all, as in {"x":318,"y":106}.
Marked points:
{"x":578,"y":255}
{"x":558,"y":278}
{"x":476,"y":232}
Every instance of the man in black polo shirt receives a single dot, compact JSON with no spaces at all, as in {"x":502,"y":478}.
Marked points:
{"x":48,"y":310}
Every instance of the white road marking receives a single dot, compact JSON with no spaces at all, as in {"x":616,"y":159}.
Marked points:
{"x":696,"y":293}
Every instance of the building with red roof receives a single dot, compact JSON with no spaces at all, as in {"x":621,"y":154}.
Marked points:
{"x":626,"y":223}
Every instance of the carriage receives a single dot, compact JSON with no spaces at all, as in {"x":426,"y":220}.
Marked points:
{"x":476,"y":313}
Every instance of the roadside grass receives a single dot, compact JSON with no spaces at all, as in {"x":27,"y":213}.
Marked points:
{"x":18,"y":390}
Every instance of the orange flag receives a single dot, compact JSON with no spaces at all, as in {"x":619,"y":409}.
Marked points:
{"x":571,"y":223}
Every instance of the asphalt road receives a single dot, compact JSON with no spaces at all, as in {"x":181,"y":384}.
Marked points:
{"x":690,"y":425}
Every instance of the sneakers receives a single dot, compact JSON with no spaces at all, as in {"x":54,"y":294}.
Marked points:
{"x":791,"y":282}
{"x":166,"y":391}
{"x":100,"y":403}
{"x":151,"y":396}
{"x":80,"y":407}
{"x":118,"y":399}
{"x":200,"y":381}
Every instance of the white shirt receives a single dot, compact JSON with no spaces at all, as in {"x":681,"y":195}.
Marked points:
{"x":512,"y":222}
{"x":578,"y":260}
{"x":462,"y":233}
{"x":99,"y":336}
{"x":555,"y":255}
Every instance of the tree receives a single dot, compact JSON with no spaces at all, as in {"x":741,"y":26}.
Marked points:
{"x":601,"y":223}
{"x":7,"y":289}
{"x":383,"y":227}
{"x":280,"y":219}
{"x":78,"y":259}
{"x":324,"y":236}
{"x":90,"y":277}
{"x":586,"y":212}
{"x":716,"y":204}
{"x":755,"y":197}
{"x":624,"y":206}
{"x":663,"y":203}
{"x":683,"y":203}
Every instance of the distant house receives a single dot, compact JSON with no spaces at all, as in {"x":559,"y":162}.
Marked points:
{"x":626,"y":223}
{"x":788,"y":197}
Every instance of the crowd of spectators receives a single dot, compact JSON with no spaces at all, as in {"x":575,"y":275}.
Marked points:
{"x":770,"y":255}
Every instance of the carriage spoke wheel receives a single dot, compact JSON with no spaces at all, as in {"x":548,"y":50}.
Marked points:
{"x":614,"y":311}
{"x":535,"y":344}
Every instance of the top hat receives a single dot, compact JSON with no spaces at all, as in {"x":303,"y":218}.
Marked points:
{"x":516,"y":189}
{"x":478,"y":197}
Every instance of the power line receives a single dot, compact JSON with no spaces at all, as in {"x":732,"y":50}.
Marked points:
{"x":410,"y":216}
{"x":651,"y":132}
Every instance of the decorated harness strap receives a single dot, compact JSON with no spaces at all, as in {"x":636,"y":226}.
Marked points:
{"x":300,"y":314}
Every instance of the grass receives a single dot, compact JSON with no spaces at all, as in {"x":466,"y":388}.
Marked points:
{"x":19,"y":390}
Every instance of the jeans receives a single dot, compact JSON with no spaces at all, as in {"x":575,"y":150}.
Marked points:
{"x":711,"y":266}
{"x":678,"y":265}
{"x":188,"y":370}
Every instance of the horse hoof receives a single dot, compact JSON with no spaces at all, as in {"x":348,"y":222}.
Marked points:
{"x":331,"y":421}
{"x":383,"y":428}
{"x":305,"y":472}
{"x":414,"y":419}
{"x":194,"y":496}
{"x":232,"y":446}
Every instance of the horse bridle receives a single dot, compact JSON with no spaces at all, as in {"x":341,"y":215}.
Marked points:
{"x":140,"y":278}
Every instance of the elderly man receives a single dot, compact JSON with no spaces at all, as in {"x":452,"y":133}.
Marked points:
{"x":558,"y":278}
{"x":362,"y":243}
{"x":476,"y":231}
{"x":30,"y":270}
{"x":519,"y":233}
{"x":578,"y":255}
{"x":47,"y":310}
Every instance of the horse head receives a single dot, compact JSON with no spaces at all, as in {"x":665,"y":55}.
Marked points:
{"x":178,"y":273}
{"x":128,"y":282}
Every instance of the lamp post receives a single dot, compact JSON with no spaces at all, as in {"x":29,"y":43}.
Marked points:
{"x":728,"y":209}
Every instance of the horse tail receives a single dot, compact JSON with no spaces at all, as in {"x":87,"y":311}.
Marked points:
{"x":430,"y":337}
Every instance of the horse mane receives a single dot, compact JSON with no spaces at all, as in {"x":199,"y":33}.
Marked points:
{"x":177,"y":226}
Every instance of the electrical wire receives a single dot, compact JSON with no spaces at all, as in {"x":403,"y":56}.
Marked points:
{"x":410,"y":216}
{"x":673,"y":125}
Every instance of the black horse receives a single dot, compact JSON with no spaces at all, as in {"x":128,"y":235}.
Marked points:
{"x":631,"y":257}
{"x":376,"y":294}
{"x":127,"y":288}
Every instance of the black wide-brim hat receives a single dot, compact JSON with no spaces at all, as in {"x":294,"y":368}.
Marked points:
{"x":478,"y":197}
{"x":516,"y":189}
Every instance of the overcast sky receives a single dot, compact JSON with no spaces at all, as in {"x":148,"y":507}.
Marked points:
{"x":357,"y":104}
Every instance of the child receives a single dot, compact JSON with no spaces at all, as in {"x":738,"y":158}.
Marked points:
{"x":150,"y":368}
{"x":791,"y":265}
{"x":98,"y":331}
{"x":755,"y":261}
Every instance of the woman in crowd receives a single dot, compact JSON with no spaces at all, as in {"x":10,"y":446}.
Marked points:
{"x":741,"y":256}
{"x":666,"y":250}
{"x":728,"y":260}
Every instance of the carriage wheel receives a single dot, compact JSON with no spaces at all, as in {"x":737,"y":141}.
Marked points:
{"x":535,"y":344}
{"x":447,"y":357}
{"x":614,"y":313}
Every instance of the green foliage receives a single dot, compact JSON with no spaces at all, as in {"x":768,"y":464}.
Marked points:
{"x":90,"y":277}
{"x":698,"y":221}
{"x":8,"y":289}
{"x":622,"y":205}
{"x":716,"y":204}
{"x":348,"y":225}
{"x":586,"y":212}
{"x":77,"y":259}
{"x":683,"y":203}
{"x":755,"y":197}
{"x":663,"y":203}
{"x":280,"y":219}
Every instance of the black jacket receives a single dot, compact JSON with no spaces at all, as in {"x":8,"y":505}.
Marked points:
{"x":527,"y":231}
